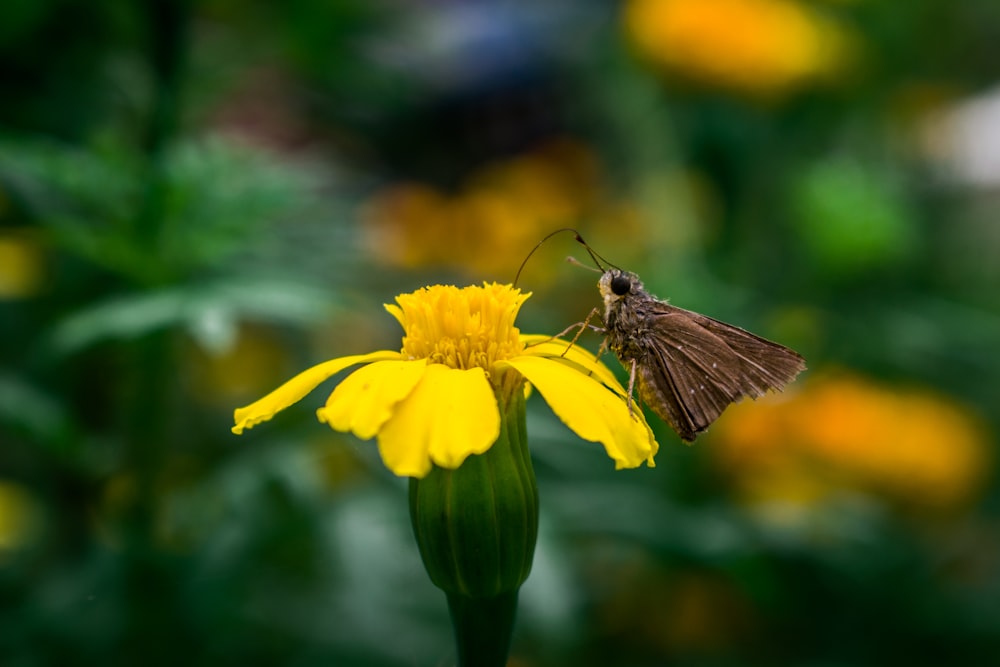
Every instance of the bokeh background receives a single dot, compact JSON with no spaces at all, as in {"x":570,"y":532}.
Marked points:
{"x":198,"y":199}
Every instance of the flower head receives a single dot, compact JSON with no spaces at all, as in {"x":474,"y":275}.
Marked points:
{"x":843,"y":432}
{"x":761,"y":47}
{"x":498,"y":210}
{"x":436,"y":400}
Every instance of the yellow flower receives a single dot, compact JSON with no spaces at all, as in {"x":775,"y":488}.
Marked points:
{"x":435,"y":401}
{"x":20,"y":518}
{"x":490,"y":217}
{"x":22,"y":266}
{"x":753,"y":46}
{"x":844,"y":432}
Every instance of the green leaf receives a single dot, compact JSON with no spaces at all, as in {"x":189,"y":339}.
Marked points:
{"x":27,"y":409}
{"x":210,"y":313}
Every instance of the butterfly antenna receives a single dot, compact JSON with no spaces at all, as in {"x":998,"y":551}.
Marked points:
{"x":593,"y":255}
{"x":539,"y":244}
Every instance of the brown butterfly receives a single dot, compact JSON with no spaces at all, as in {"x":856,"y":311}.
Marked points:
{"x":689,"y":367}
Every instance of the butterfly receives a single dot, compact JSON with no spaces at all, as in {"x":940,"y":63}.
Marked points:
{"x":688,"y":367}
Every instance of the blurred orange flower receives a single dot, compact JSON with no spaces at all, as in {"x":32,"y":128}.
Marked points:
{"x":498,"y":214}
{"x":759,"y":47}
{"x":843,"y":432}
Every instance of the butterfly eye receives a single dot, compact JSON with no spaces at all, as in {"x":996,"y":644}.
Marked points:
{"x":620,"y":285}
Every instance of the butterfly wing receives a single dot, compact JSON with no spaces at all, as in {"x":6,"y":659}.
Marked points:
{"x":694,"y":367}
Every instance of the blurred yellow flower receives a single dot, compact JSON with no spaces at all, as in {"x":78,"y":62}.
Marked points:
{"x":435,"y":401}
{"x":235,"y":372}
{"x":21,"y":266}
{"x":20,"y":516}
{"x":757,"y":47}
{"x":844,"y":432}
{"x":496,"y":214}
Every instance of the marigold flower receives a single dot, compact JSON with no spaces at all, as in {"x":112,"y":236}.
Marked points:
{"x":496,"y":212}
{"x":435,"y":401}
{"x":760,"y":47}
{"x":843,"y":432}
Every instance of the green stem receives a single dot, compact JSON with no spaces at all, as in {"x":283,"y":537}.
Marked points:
{"x":483,"y":628}
{"x":167,"y":25}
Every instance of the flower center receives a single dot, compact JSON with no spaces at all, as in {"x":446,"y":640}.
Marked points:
{"x":460,"y":327}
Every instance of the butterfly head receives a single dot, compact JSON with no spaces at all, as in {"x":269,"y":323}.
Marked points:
{"x":616,"y":285}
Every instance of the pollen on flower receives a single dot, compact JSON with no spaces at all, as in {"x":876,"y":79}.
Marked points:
{"x":461,"y":328}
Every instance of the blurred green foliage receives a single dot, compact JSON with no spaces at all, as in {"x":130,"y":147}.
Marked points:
{"x":186,"y":219}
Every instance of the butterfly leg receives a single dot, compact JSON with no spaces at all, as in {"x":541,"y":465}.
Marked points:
{"x":631,"y":385}
{"x":579,"y":326}
{"x":586,"y":323}
{"x":602,"y":349}
{"x":582,"y":326}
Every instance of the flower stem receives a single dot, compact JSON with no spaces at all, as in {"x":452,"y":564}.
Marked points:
{"x":483,"y":628}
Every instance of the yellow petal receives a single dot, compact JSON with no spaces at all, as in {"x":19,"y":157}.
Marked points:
{"x":590,"y":410}
{"x":449,"y":415}
{"x":365,"y":399}
{"x":555,"y":348}
{"x":296,"y":388}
